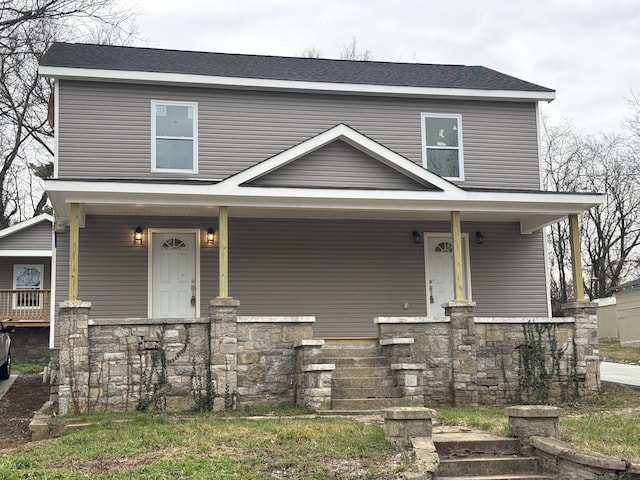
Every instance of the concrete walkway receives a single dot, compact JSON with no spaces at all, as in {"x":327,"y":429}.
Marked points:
{"x":620,"y":373}
{"x":5,"y":384}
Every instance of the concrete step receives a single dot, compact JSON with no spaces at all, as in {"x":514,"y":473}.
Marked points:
{"x":358,"y":362}
{"x":489,"y":465}
{"x":366,"y":392}
{"x":367,"y":403}
{"x":351,"y":351}
{"x":461,"y":446}
{"x":373,"y":373}
{"x":362,"y":382}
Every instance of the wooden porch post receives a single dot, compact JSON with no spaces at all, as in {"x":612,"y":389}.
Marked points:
{"x":456,"y":235}
{"x":576,"y":258}
{"x":223,"y":253}
{"x":74,"y":240}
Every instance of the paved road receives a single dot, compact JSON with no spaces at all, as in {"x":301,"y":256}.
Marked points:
{"x":620,"y":373}
{"x":5,"y":384}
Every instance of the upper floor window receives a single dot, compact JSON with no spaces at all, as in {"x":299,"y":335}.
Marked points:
{"x":442,"y":145}
{"x":174,"y":131}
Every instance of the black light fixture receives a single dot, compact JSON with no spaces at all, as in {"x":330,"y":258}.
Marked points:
{"x":137,"y":236}
{"x":212,"y":237}
{"x":479,"y":238}
{"x":417,"y":238}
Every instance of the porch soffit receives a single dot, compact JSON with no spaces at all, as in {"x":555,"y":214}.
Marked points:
{"x":533,"y":210}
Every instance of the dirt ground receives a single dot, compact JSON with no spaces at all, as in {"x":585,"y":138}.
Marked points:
{"x":17,"y":407}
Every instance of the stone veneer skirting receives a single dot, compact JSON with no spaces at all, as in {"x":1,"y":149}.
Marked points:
{"x":226,"y":361}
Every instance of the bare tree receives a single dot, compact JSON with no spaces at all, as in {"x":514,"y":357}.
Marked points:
{"x":610,"y":233}
{"x":27,"y":29}
{"x":351,"y":51}
{"x":310,"y":52}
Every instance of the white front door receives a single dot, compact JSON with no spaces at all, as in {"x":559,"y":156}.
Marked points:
{"x":439,"y":271}
{"x":174,"y":283}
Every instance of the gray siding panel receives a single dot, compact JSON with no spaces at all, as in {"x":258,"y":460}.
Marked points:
{"x":6,"y":270}
{"x":343,"y":272}
{"x":36,"y":237}
{"x":339,"y":165}
{"x":105,"y":130}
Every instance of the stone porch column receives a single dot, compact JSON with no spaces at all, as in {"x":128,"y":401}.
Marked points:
{"x":586,"y":341}
{"x":224,"y":351}
{"x":462,"y":342}
{"x":73,"y":326}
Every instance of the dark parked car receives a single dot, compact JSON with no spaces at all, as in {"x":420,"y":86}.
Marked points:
{"x":5,"y":351}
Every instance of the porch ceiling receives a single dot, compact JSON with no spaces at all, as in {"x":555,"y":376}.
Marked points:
{"x":533,"y":210}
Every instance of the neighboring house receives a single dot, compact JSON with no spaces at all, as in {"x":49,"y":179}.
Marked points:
{"x":26,"y":250}
{"x":627,"y":312}
{"x":317,"y":193}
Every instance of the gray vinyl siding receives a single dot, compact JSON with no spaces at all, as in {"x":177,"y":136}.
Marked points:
{"x":6,"y":270}
{"x":36,"y":237}
{"x":105,"y":130}
{"x":628,"y":313}
{"x":339,"y":165}
{"x":343,"y":272}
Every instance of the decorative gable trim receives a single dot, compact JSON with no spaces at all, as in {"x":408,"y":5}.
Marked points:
{"x":26,"y":224}
{"x":355,"y":139}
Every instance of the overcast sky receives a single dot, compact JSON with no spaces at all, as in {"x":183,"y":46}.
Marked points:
{"x":587,"y":50}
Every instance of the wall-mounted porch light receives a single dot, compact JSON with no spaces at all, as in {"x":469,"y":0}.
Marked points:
{"x":212,"y":237}
{"x":417,"y":238}
{"x":479,"y":238}
{"x":137,"y":236}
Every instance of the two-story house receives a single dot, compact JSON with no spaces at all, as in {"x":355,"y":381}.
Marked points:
{"x":338,"y":195}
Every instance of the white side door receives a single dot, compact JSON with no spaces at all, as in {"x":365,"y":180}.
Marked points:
{"x":439,"y":271}
{"x":174,"y":284}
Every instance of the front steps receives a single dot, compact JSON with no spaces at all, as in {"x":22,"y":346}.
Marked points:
{"x":484,"y":457}
{"x":362,"y":379}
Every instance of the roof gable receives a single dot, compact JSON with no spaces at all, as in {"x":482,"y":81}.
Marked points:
{"x":339,"y":165}
{"x":385,"y":169}
{"x":26,"y":224}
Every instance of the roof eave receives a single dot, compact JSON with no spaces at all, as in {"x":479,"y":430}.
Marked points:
{"x":289,"y":85}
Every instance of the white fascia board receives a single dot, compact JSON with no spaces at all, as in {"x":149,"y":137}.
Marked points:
{"x":26,"y":224}
{"x":25,"y":253}
{"x":353,"y":138}
{"x":542,"y":208}
{"x":291,"y":85}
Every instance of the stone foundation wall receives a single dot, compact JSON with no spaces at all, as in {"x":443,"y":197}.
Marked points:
{"x":267,"y":358}
{"x":493,"y":361}
{"x":221,"y":362}
{"x":30,"y":344}
{"x":226,"y":361}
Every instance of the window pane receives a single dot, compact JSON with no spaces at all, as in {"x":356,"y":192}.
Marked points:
{"x":443,"y":162}
{"x":174,"y":154}
{"x":28,"y":277}
{"x":174,"y":121}
{"x":441,"y":132}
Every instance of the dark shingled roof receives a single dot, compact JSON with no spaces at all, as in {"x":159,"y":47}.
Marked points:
{"x":106,"y":57}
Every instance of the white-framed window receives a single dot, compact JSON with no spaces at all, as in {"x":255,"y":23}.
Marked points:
{"x":442,"y":144}
{"x":174,"y":136}
{"x":27,"y":278}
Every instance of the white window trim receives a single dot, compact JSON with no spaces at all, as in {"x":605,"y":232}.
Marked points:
{"x":459,"y":148}
{"x":39,"y":266}
{"x":154,"y":169}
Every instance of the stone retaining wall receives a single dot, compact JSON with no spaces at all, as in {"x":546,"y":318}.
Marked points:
{"x":492,"y":361}
{"x":226,"y":361}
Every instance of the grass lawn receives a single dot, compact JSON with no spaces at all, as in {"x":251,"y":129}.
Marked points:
{"x":210,"y":447}
{"x":610,"y":347}
{"x":286,"y":445}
